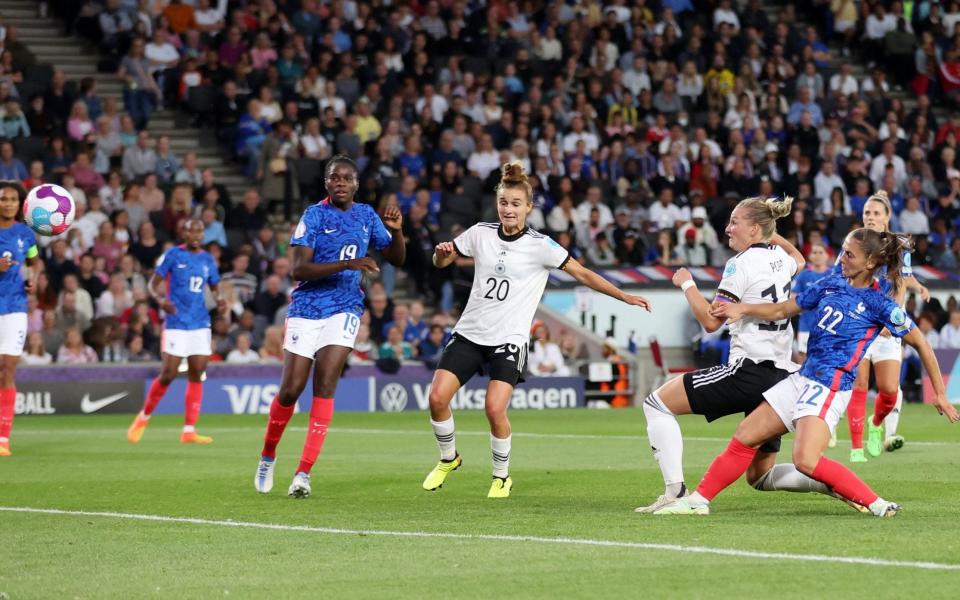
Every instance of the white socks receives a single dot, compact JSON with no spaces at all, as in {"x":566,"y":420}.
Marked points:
{"x":663,"y":431}
{"x":500,"y":449}
{"x":786,"y":478}
{"x":893,"y":419}
{"x":446,"y":439}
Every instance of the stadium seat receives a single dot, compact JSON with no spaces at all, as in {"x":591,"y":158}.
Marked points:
{"x":663,"y":372}
{"x":200,"y":102}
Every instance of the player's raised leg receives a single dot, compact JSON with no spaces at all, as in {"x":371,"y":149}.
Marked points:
{"x":328,"y":366}
{"x":497,"y":401}
{"x":296,"y":370}
{"x":445,"y":384}
{"x":158,"y":387}
{"x":193,"y":400}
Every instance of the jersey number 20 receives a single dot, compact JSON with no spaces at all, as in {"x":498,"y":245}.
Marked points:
{"x":498,"y":290}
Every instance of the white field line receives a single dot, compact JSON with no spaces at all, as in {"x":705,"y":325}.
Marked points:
{"x":418,"y":432}
{"x":782,"y":556}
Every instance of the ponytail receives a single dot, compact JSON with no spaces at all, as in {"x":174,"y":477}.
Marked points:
{"x":885,"y":248}
{"x":765,"y":212}
{"x":513,"y":175}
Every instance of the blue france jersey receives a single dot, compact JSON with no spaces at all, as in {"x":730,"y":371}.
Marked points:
{"x":17,"y":242}
{"x":846,"y":320}
{"x":335,"y":235}
{"x":187,"y":274}
{"x":801,"y":282}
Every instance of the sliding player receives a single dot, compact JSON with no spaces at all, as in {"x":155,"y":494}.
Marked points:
{"x":851,"y":310}
{"x":329,"y":257}
{"x":18,"y":245}
{"x":759,"y":353}
{"x":188,"y":270}
{"x":512,"y":263}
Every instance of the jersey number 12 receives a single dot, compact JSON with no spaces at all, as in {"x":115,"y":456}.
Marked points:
{"x":196,"y":284}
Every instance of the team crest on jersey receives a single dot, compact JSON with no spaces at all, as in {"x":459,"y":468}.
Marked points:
{"x":730,"y":269}
{"x":20,"y":244}
{"x":500,"y":269}
{"x":861,"y":308}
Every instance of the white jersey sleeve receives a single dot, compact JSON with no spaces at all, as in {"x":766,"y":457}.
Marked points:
{"x":735,"y":280}
{"x":464,"y":243}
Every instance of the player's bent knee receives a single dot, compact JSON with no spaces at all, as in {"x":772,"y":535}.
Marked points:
{"x":805,"y":462}
{"x":287,"y":396}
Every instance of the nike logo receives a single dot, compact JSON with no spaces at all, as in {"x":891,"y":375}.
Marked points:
{"x":325,"y":230}
{"x":88,"y":406}
{"x":181,"y":266}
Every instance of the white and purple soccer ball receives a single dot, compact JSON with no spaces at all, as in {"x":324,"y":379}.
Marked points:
{"x":49,"y":209}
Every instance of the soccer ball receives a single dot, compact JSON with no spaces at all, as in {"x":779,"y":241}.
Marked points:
{"x":49,"y":209}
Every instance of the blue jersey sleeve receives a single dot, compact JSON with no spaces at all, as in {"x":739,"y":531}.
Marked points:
{"x":380,"y":236}
{"x":163,"y":263}
{"x":30,"y":241}
{"x":892,"y":316}
{"x":306,"y":232}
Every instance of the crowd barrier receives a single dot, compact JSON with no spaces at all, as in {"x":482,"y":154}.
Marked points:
{"x":249,"y":389}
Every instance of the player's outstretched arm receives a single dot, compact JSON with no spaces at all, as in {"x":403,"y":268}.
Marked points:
{"x":733,"y":312}
{"x":595,"y":282}
{"x":444,"y":254}
{"x":698,"y":304}
{"x":911,"y":283}
{"x":304,"y":269}
{"x":396,"y":252}
{"x":779,"y":240}
{"x":916,"y":339}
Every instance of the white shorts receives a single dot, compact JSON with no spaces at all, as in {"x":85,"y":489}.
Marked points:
{"x":13,"y":333}
{"x":186,"y":342}
{"x":305,"y":337}
{"x":796,"y":397}
{"x":885,"y":348}
{"x":802,"y":338}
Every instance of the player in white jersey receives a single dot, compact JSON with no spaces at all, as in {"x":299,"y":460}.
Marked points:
{"x":759,"y":353}
{"x":511,"y":266}
{"x":885,"y":354}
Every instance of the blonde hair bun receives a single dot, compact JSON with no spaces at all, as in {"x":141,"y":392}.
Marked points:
{"x":512,"y":173}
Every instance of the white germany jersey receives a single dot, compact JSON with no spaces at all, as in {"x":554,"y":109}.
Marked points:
{"x":510,"y":274}
{"x":760,"y":274}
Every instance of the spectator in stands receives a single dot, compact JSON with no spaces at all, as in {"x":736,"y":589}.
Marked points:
{"x":250,"y":215}
{"x":115,"y":27}
{"x":11,"y":167}
{"x":950,"y":333}
{"x":272,"y":349}
{"x":140,"y":159}
{"x":242,"y":281}
{"x":546,"y":359}
{"x":394,"y":346}
{"x":140,"y":92}
{"x":74,"y":351}
{"x":13,"y":124}
{"x":189,"y":172}
{"x":243,"y":353}
{"x":136,"y":352}
{"x":34,"y":353}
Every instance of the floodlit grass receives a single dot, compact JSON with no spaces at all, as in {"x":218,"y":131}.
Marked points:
{"x":578,"y":474}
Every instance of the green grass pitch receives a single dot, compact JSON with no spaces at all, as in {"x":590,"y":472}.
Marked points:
{"x":578,"y":474}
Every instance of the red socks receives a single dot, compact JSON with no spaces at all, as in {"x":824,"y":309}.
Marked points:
{"x":843,"y":481}
{"x":321,"y":413}
{"x":157,"y":390}
{"x":882,"y":407}
{"x":279,"y":417}
{"x":856,"y":414}
{"x":193,"y":401}
{"x":8,"y":403}
{"x":726,"y":468}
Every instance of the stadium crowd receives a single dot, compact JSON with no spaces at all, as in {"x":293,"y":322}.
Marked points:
{"x":644,"y":122}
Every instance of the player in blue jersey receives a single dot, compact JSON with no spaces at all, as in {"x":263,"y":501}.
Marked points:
{"x":817,"y":268}
{"x":330,"y":247}
{"x":851,"y":310}
{"x":188,"y":270}
{"x":885,"y":354}
{"x":18,"y":246}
